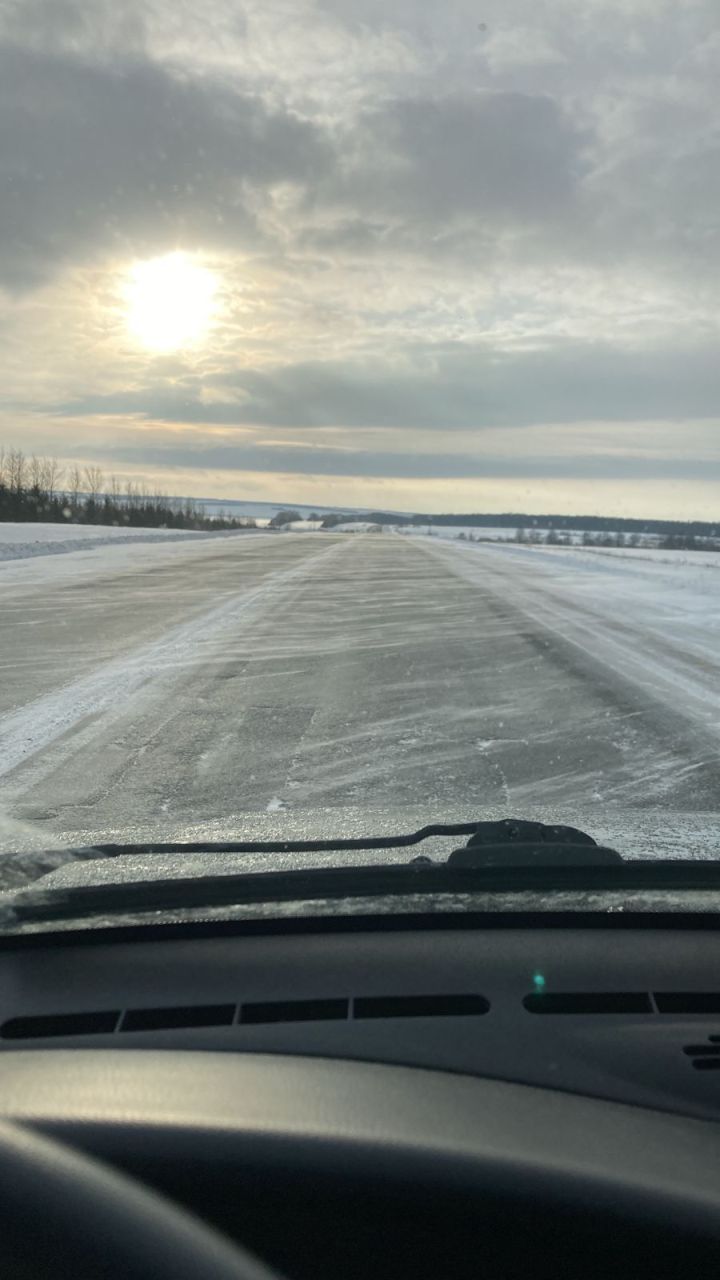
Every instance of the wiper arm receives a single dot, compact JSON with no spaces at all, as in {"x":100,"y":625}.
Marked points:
{"x":510,"y":831}
{"x":272,"y":846}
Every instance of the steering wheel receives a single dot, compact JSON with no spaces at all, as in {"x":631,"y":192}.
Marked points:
{"x":62,"y":1213}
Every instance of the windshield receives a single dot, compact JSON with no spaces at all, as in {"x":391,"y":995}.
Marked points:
{"x":359,"y":404}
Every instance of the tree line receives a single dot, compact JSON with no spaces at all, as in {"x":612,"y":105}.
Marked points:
{"x":36,"y":489}
{"x":671,"y":542}
{"x":578,"y":524}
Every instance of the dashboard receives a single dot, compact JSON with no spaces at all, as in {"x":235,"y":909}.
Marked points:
{"x":626,"y":1014}
{"x":381,"y":1100}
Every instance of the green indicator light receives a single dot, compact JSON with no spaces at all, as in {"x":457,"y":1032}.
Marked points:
{"x":538,"y":982}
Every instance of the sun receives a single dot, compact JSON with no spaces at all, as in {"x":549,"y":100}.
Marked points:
{"x":170,"y":302}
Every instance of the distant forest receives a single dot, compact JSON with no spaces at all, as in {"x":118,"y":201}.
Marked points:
{"x":36,"y":489}
{"x":593,"y":524}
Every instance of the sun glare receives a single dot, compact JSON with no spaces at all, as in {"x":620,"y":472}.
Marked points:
{"x":170,"y":301}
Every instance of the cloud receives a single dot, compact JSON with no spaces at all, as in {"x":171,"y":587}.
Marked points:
{"x":508,"y":48}
{"x":133,"y":158}
{"x":451,"y":387}
{"x":490,"y":156}
{"x":197,"y":452}
{"x":72,"y":26}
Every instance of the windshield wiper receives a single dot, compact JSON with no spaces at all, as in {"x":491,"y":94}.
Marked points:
{"x":499,"y":858}
{"x":506,"y":855}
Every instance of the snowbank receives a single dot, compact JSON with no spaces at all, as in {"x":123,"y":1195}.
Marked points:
{"x":33,"y":555}
{"x":18,"y":541}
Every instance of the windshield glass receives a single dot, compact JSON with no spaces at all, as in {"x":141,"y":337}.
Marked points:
{"x":359,"y":404}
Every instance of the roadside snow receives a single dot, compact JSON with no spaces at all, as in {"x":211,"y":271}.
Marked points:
{"x":698,"y":559}
{"x":652,"y":619}
{"x":19,"y":541}
{"x":59,"y":555}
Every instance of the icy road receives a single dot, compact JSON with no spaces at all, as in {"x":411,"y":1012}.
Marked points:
{"x":147,"y":688}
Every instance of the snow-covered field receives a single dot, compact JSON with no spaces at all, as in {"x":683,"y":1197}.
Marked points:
{"x":654,"y":555}
{"x":456,"y":532}
{"x":648,"y":547}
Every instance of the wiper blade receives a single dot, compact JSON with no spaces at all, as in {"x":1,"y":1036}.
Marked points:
{"x":197,"y":893}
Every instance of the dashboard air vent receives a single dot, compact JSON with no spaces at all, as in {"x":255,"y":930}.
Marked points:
{"x":687,"y":1001}
{"x":588,"y":1002}
{"x":419,"y":1006}
{"x":198,"y":1015}
{"x":60,"y":1024}
{"x":251,"y":1013}
{"x":295,"y":1011}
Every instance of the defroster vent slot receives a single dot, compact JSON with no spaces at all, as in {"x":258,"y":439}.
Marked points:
{"x":687,"y":1001}
{"x":45,"y":1025}
{"x":588,"y":1002}
{"x":172,"y":1018}
{"x":419,"y":1006}
{"x":295,"y":1011}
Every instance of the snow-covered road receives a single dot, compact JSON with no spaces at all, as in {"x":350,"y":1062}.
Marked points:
{"x":228,"y":679}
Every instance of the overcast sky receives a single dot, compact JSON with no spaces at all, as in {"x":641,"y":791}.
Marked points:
{"x":467,"y":254}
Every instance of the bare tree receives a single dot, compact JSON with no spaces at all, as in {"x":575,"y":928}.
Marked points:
{"x":17,"y":470}
{"x":94,"y":482}
{"x":35,"y":470}
{"x":74,"y":485}
{"x":52,"y":475}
